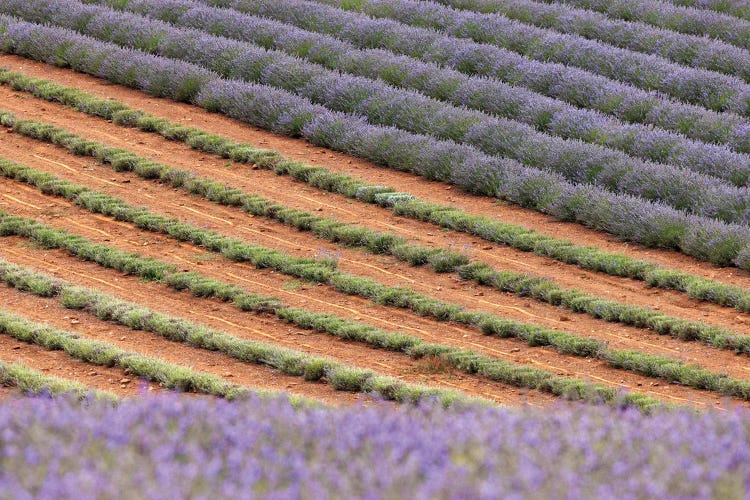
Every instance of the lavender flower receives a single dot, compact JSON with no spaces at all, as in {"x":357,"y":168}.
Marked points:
{"x":577,"y":87}
{"x":177,"y":447}
{"x":649,"y":72}
{"x":385,"y":105}
{"x":625,"y":216}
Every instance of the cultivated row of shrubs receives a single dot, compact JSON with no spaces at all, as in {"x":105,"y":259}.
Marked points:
{"x":461,"y":359}
{"x":290,"y":362}
{"x":441,"y":260}
{"x":376,"y":242}
{"x":464,"y":360}
{"x":646,"y":71}
{"x":740,"y":10}
{"x":401,"y":203}
{"x":237,"y":250}
{"x":690,"y":50}
{"x":101,"y":353}
{"x":673,"y":17}
{"x":484,"y":94}
{"x":575,"y":86}
{"x":627,"y":217}
{"x":31,"y":381}
{"x":385,"y":105}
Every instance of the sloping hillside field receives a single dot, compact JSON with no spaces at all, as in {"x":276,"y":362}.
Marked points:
{"x":487,"y":226}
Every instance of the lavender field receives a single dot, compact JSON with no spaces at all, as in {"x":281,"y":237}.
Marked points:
{"x":374,"y":248}
{"x":170,"y":447}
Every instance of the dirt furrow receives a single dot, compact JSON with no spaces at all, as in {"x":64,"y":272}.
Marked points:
{"x":447,"y":287}
{"x":297,"y":195}
{"x":433,"y":191}
{"x":63,"y":214}
{"x":59,"y":364}
{"x":58,"y":211}
{"x":86,"y":171}
{"x":596,"y":371}
{"x":51,"y":312}
{"x":252,"y":327}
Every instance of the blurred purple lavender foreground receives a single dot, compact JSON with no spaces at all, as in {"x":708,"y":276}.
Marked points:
{"x":173,"y":447}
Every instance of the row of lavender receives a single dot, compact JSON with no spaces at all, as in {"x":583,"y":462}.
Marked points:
{"x":677,"y":18}
{"x":494,"y":97}
{"x":649,"y":72}
{"x":574,"y":86}
{"x":383,"y":104}
{"x":170,"y":447}
{"x":625,"y":216}
{"x":689,"y":50}
{"x":736,"y":8}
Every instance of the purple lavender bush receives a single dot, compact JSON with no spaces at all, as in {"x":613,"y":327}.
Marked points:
{"x":667,"y":15}
{"x":575,"y":86}
{"x":740,"y":8}
{"x":684,"y":49}
{"x":646,"y":71}
{"x":484,"y":94}
{"x":178,"y":447}
{"x":385,"y":105}
{"x":651,"y":224}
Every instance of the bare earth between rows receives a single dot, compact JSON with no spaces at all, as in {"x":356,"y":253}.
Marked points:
{"x":51,"y":312}
{"x":61,"y":213}
{"x":446,"y":287}
{"x":243,"y":275}
{"x":182,"y":157}
{"x":297,"y":195}
{"x":59,"y":364}
{"x":85,"y":171}
{"x":432,"y":191}
{"x":224,"y":317}
{"x":240,"y":324}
